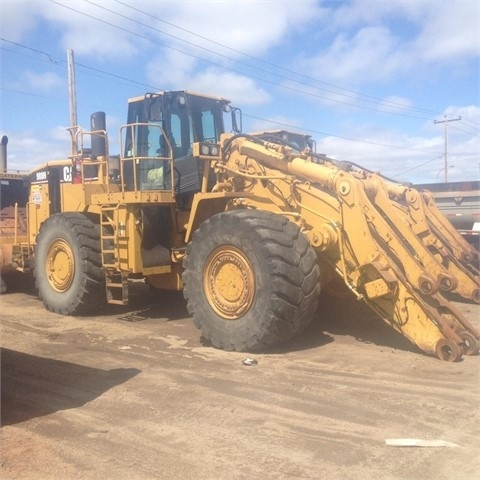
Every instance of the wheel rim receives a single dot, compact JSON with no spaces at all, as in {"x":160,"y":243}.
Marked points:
{"x":60,"y":265}
{"x":229,"y":283}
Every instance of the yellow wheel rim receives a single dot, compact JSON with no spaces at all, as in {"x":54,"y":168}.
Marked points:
{"x":229,"y":282}
{"x":60,"y":265}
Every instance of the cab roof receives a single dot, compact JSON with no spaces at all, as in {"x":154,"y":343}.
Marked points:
{"x":186,"y":92}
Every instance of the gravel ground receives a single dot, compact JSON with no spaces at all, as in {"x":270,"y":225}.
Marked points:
{"x":134,"y":394}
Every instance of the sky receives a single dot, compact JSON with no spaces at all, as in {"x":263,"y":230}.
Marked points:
{"x":390,"y":85}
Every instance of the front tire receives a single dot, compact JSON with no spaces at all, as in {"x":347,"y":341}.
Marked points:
{"x":251,"y":280}
{"x":67,"y":265}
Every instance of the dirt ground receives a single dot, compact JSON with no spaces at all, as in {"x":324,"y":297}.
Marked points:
{"x":134,"y":394}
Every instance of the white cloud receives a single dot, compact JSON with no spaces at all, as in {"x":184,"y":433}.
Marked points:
{"x":17,"y":18}
{"x":179,"y":72}
{"x":105,"y":28}
{"x":177,"y":33}
{"x":362,"y":57}
{"x":406,"y":157}
{"x":358,"y":44}
{"x":44,"y":82}
{"x":90,"y":30}
{"x":239,"y":89}
{"x":374,"y":41}
{"x":28,"y":149}
{"x":450,"y":31}
{"x":169,"y":70}
{"x":246,"y":26}
{"x":79,"y":25}
{"x":256,"y":28}
{"x":470,"y":113}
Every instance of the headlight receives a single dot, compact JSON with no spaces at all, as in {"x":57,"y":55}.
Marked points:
{"x":209,"y":150}
{"x":206,"y":149}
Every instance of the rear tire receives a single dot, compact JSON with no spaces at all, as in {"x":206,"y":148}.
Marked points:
{"x":67,"y":265}
{"x":251,"y":280}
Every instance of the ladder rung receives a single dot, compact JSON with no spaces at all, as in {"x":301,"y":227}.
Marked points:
{"x":112,"y":258}
{"x":118,"y":302}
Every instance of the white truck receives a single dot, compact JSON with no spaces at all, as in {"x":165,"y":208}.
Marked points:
{"x":460,"y":203}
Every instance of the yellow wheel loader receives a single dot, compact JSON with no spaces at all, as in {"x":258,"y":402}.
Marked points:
{"x":251,"y":227}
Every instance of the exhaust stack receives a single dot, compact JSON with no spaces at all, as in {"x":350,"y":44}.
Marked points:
{"x":3,"y":154}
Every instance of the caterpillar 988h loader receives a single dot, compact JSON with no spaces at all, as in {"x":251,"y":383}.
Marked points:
{"x":252,"y":227}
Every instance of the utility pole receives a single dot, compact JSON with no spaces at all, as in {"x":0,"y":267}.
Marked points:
{"x":446,"y":122}
{"x":73,"y":101}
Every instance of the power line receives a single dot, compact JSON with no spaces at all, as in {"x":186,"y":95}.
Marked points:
{"x":398,"y":147}
{"x":50,"y":59}
{"x":462,"y":130}
{"x":22,"y":92}
{"x":118,"y":77}
{"x":470,"y":123}
{"x":82,"y":65}
{"x":352,"y":93}
{"x":245,"y":114}
{"x":403,"y":172}
{"x":377,"y":100}
{"x":263,"y":80}
{"x":318,"y":132}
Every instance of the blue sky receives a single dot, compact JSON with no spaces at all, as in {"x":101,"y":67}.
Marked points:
{"x":367,"y":79}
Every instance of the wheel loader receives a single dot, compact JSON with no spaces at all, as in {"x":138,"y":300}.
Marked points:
{"x":251,"y":227}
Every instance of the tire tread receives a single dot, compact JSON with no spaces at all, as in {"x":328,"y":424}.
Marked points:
{"x":295,"y":280}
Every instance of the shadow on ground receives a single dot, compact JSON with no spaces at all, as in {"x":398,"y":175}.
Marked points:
{"x":344,"y":315}
{"x":146,"y":303}
{"x":34,"y":386}
{"x":337,"y":314}
{"x":18,"y":282}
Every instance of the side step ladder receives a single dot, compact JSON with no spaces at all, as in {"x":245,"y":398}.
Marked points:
{"x":21,"y":256}
{"x":114,"y":252}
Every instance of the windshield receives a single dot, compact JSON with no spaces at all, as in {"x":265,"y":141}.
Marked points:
{"x":184,"y":118}
{"x":162,"y":128}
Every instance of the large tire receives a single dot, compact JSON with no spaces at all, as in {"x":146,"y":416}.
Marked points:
{"x":251,"y":280}
{"x":67,"y":265}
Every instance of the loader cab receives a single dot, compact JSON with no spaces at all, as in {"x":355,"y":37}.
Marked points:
{"x":157,"y":153}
